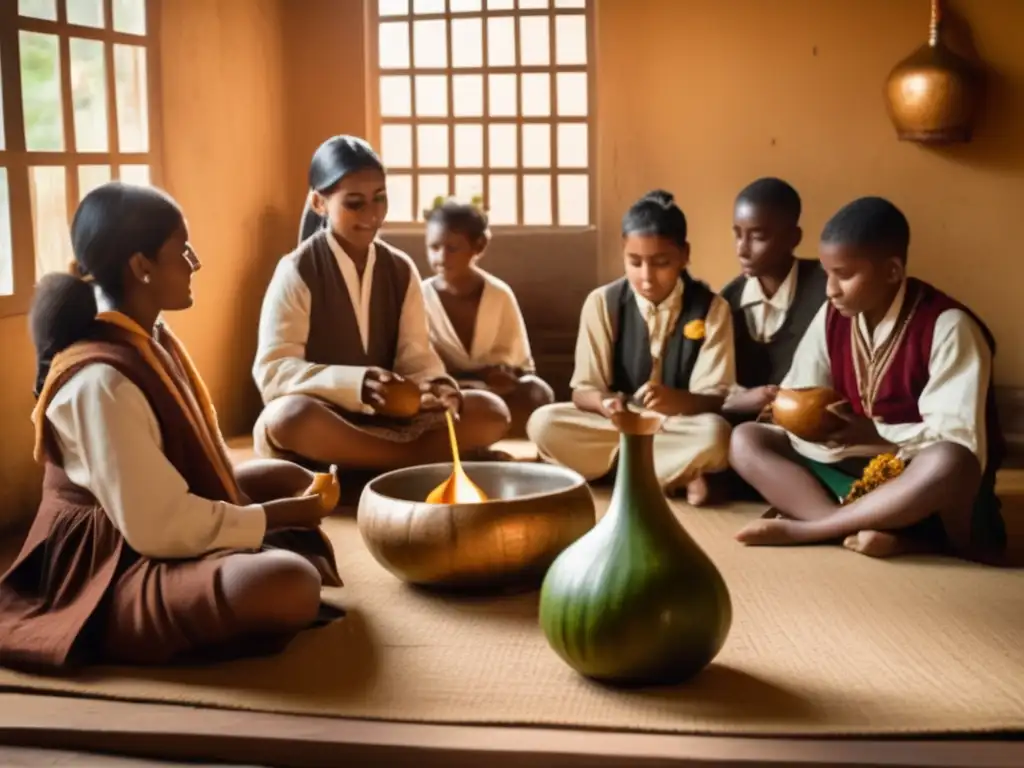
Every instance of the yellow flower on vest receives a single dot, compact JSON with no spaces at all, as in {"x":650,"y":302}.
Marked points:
{"x":694,"y":330}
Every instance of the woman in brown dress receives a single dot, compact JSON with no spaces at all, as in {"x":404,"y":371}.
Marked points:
{"x":148,"y":547}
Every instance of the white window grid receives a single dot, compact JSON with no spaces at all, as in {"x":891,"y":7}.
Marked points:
{"x":41,"y":184}
{"x":511,"y":177}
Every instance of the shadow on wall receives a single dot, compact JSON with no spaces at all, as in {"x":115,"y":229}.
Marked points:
{"x":995,"y":144}
{"x":276,"y":235}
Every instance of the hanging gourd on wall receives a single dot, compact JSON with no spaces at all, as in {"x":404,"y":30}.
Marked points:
{"x":932,"y":95}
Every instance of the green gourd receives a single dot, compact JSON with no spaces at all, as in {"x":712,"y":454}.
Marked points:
{"x":636,"y":600}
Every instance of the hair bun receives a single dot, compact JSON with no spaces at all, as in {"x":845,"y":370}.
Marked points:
{"x":663,"y":197}
{"x":656,"y":213}
{"x":76,"y":270}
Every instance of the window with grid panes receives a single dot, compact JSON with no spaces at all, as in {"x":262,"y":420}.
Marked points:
{"x":74,"y":94}
{"x":486,"y":99}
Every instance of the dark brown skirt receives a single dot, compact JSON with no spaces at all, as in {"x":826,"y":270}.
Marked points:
{"x":394,"y":430}
{"x":78,"y":594}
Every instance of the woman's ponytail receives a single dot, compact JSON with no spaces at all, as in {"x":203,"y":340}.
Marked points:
{"x":311,"y":221}
{"x":63,"y":312}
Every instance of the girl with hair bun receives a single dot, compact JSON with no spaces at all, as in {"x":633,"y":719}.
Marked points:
{"x":660,"y":340}
{"x":343,"y":333}
{"x":148,"y":546}
{"x":476,"y":325}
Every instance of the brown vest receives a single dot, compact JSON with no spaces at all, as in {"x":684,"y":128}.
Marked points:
{"x":333,"y":329}
{"x":73,"y":553}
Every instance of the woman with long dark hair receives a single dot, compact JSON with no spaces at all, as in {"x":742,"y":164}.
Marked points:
{"x":148,"y":546}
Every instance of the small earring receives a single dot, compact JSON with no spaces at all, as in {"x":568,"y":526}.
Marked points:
{"x":145,"y":279}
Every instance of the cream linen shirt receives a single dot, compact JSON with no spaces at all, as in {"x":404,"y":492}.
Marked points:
{"x":280,"y":367}
{"x":765,"y":315}
{"x":111,"y":445}
{"x":952,"y":404}
{"x":714,"y":371}
{"x":499,"y":336}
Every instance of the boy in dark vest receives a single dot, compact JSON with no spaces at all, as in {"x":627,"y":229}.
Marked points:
{"x":660,"y":339}
{"x":774,"y":299}
{"x":916,"y":368}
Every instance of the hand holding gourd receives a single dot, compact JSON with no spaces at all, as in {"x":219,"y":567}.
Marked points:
{"x":310,"y":507}
{"x":857,"y":430}
{"x":327,"y":487}
{"x":753,"y":400}
{"x":390,"y":394}
{"x":375,"y":386}
{"x":612,"y":405}
{"x":441,"y":396}
{"x":665,"y":400}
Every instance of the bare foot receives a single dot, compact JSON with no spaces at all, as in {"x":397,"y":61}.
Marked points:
{"x":697,"y":491}
{"x":885,"y":544}
{"x":770,"y":533}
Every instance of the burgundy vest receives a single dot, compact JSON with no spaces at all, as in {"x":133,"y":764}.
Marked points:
{"x":901,"y":371}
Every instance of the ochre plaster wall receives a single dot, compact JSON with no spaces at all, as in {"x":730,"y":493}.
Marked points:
{"x":699,"y":97}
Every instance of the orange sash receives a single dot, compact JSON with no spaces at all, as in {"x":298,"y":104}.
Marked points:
{"x":178,"y":373}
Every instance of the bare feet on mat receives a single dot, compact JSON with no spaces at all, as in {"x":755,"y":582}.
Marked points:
{"x":885,"y":544}
{"x":697,"y":491}
{"x":703,"y":490}
{"x":774,"y":532}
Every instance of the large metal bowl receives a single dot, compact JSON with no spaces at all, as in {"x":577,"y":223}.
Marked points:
{"x":534,"y":512}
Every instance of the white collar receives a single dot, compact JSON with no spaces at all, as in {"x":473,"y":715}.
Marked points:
{"x":782,"y":300}
{"x":647,"y":307}
{"x":340,"y":253}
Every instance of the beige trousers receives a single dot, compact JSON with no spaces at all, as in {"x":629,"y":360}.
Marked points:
{"x":686,"y":447}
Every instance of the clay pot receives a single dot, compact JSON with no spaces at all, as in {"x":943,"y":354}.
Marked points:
{"x":534,"y":512}
{"x":811,"y":413}
{"x":636,"y":600}
{"x":401,"y":399}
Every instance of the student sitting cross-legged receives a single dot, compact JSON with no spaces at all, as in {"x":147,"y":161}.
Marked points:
{"x":774,"y":299}
{"x":476,"y":325}
{"x":660,"y":339}
{"x":148,"y":546}
{"x":342,"y":320}
{"x":916,"y":368}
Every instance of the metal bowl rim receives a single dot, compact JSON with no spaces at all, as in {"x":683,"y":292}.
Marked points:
{"x":579,"y":481}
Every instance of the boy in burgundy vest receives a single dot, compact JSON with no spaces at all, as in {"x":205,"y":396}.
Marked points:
{"x":916,"y":368}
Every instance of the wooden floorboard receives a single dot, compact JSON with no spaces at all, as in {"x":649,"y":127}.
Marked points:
{"x":170,"y":732}
{"x":29,"y":757}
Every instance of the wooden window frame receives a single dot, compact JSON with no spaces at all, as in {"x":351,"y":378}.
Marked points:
{"x":375,"y":120}
{"x":17,"y":159}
